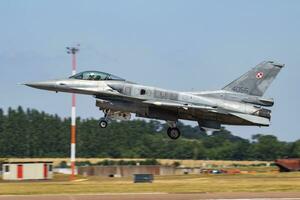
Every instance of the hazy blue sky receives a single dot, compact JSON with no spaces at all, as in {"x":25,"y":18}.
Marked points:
{"x":183,"y":45}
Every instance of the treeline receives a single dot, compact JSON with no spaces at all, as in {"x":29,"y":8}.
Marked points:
{"x":107,"y":162}
{"x":31,"y":133}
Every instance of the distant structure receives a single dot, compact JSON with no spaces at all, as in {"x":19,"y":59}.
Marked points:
{"x":156,"y":170}
{"x":125,"y":170}
{"x":288,"y":165}
{"x":73,"y":51}
{"x":27,"y":170}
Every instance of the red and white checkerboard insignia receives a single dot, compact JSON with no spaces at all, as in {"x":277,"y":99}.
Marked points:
{"x":259,"y":75}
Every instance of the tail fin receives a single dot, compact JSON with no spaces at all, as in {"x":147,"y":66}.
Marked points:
{"x":257,"y":80}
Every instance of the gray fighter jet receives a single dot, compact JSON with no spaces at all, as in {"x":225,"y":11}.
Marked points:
{"x":238,"y":103}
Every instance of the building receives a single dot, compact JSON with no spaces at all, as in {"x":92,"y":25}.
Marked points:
{"x":125,"y":170}
{"x":27,"y":170}
{"x":288,"y":165}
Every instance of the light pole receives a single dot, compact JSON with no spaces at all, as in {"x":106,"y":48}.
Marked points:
{"x":73,"y":51}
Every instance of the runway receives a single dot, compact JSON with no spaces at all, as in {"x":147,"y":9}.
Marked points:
{"x":158,"y":196}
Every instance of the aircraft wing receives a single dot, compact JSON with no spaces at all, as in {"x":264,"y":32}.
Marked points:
{"x":174,"y":104}
{"x":177,"y":105}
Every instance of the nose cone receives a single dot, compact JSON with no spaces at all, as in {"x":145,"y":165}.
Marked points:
{"x":44,"y":85}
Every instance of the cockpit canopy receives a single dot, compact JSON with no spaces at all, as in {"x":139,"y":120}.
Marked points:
{"x":96,"y":76}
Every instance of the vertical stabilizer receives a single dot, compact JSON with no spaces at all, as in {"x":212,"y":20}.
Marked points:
{"x":256,"y":81}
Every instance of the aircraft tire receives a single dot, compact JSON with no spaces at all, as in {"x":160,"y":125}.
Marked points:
{"x":202,"y":129}
{"x":173,"y":133}
{"x":103,"y":123}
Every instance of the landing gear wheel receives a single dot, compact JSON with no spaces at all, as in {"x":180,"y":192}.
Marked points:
{"x":103,"y":123}
{"x":202,"y":129}
{"x":173,"y":133}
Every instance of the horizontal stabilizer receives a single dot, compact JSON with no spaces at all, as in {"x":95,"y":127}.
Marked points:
{"x":253,"y":119}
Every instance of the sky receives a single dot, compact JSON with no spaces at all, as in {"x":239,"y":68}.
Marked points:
{"x":181,"y":45}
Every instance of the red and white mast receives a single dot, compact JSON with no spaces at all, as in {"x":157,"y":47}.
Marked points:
{"x":73,"y":51}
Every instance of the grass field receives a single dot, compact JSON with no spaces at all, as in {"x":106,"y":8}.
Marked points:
{"x":260,"y":182}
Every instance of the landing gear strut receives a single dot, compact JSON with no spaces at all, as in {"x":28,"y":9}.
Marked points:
{"x":173,"y":132}
{"x":103,"y":122}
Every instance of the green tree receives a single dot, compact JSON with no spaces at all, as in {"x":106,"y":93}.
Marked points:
{"x":267,"y":147}
{"x":32,"y":133}
{"x":295,"y":149}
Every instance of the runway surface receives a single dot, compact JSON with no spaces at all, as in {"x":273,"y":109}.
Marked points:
{"x":158,"y":196}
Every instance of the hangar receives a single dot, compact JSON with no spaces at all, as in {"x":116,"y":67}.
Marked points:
{"x":288,"y":165}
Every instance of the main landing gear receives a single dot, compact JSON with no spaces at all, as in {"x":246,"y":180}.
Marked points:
{"x":173,"y":132}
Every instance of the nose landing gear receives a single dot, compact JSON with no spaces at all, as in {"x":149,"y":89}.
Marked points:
{"x":103,"y":123}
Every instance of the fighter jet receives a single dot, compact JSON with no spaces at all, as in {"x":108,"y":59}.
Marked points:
{"x":238,"y":103}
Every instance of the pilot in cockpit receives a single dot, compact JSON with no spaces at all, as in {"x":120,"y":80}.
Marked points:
{"x":98,"y":77}
{"x":91,"y":76}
